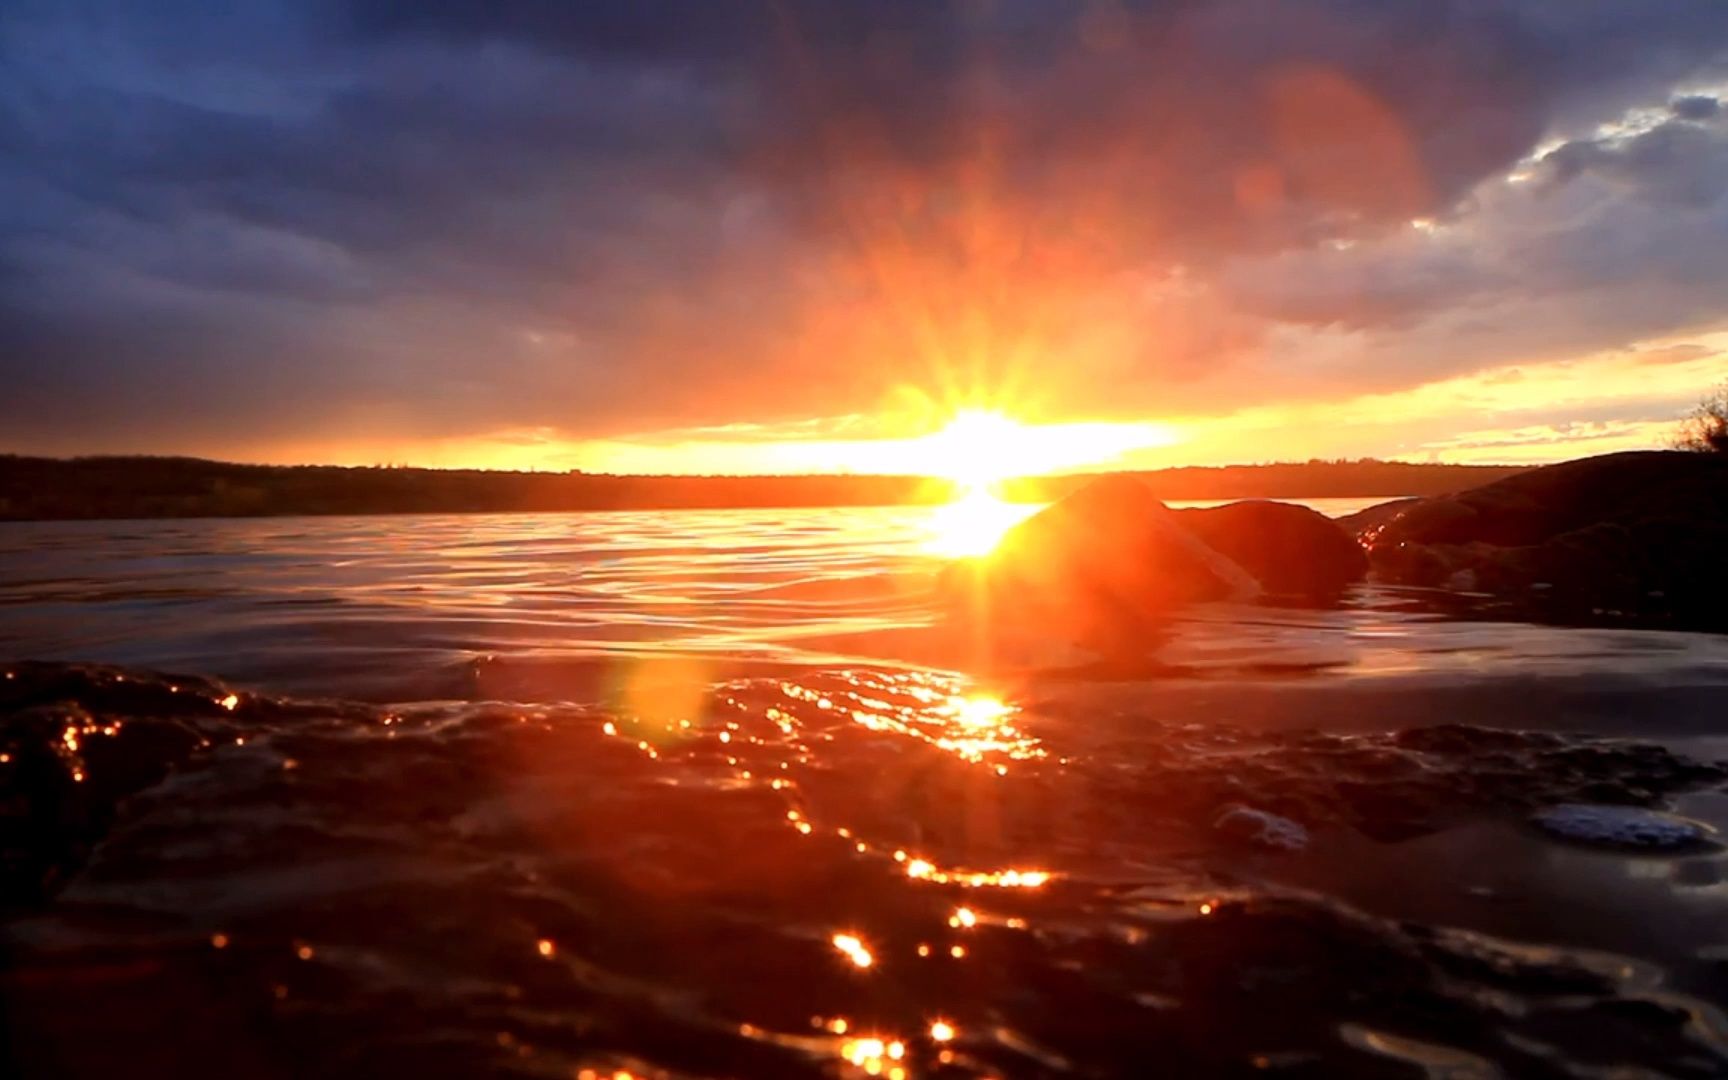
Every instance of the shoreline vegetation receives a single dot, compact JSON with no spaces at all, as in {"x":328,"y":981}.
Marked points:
{"x":40,"y":489}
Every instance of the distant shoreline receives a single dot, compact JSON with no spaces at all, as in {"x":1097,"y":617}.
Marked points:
{"x":106,"y":488}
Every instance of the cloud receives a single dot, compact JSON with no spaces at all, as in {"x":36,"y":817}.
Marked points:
{"x":339,"y":219}
{"x":1698,"y":107}
{"x":1681,"y":161}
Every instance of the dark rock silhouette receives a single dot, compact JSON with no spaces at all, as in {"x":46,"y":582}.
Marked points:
{"x":1640,"y":533}
{"x":1290,"y":550}
{"x":1111,"y":559}
{"x":1364,"y":525}
{"x":1107,"y":559}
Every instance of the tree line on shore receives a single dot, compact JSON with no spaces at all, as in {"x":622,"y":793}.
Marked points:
{"x":36,"y":488}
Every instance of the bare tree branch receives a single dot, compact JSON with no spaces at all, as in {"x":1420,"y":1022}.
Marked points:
{"x":1705,"y":431}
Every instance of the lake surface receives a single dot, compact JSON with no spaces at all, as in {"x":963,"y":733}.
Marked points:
{"x":727,"y":793}
{"x":390,"y":607}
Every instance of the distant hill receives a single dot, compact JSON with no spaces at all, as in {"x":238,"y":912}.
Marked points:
{"x":33,"y":488}
{"x":1317,"y":479}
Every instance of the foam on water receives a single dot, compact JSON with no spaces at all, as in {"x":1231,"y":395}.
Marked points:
{"x":1621,"y":826}
{"x":1259,"y":827}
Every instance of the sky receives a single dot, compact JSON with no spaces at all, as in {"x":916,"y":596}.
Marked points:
{"x":800,"y":235}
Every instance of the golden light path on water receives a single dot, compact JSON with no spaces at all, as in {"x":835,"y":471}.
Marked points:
{"x":870,"y":1052}
{"x":978,"y":449}
{"x":976,"y":727}
{"x":973,"y":524}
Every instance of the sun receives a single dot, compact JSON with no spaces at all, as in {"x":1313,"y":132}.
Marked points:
{"x":973,"y":524}
{"x":978,"y":449}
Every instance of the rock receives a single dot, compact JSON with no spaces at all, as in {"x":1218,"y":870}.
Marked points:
{"x":1639,"y":532}
{"x":1107,"y":559}
{"x":1620,"y":826}
{"x":1291,"y":550}
{"x":1364,"y":525}
{"x":1541,"y":504}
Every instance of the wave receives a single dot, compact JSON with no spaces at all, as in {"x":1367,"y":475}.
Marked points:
{"x":803,"y":872}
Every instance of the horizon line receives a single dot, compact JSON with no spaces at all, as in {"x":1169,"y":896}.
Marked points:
{"x":835,"y":475}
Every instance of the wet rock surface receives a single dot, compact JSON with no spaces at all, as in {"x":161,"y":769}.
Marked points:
{"x":1107,"y":556}
{"x":846,"y":873}
{"x":1290,"y":550}
{"x":1110,"y":563}
{"x":1105,"y":569}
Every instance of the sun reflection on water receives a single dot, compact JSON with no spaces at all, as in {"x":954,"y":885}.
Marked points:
{"x":924,"y":870}
{"x":790,"y":725}
{"x":972,"y":525}
{"x":871,"y":1053}
{"x":975,"y":727}
{"x":853,"y":947}
{"x":876,"y":1055}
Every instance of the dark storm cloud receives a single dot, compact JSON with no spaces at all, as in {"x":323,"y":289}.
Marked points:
{"x":1675,"y":162}
{"x":454,"y":217}
{"x":1696,"y":107}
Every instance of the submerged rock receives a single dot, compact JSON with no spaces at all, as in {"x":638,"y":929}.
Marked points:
{"x":1291,"y":550}
{"x":1621,"y":827}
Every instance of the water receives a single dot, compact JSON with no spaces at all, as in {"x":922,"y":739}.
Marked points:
{"x":726,"y":793}
{"x":383,"y":607}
